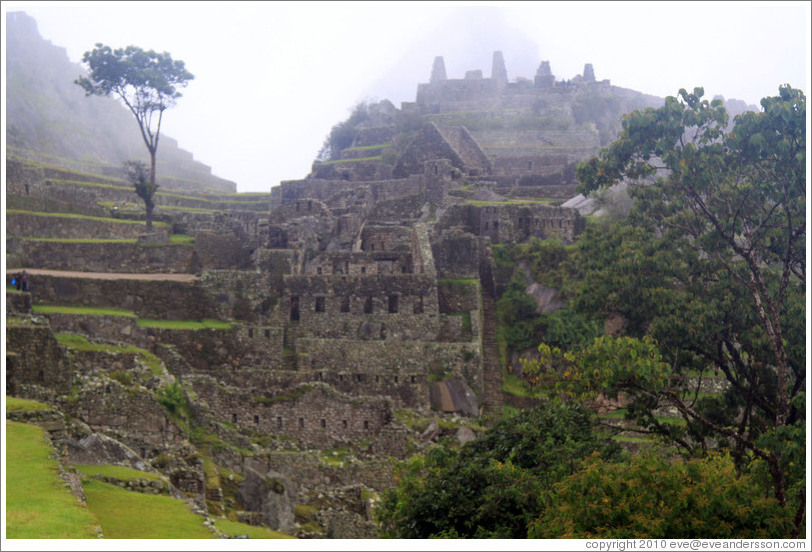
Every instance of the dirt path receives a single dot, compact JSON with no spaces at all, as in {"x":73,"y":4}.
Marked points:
{"x":106,"y":275}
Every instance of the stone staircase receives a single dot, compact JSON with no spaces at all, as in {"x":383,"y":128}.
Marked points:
{"x":493,"y":399}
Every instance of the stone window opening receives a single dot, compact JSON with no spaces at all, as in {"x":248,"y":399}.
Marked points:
{"x":256,"y":418}
{"x":417,"y":306}
{"x":341,"y":377}
{"x":393,"y":304}
{"x":320,"y":304}
{"x":436,"y":169}
{"x":403,"y":270}
{"x":321,"y":376}
{"x":318,"y":270}
{"x":279,"y":421}
{"x":143,"y":452}
{"x":359,"y":377}
{"x":344,"y":424}
{"x":366,"y":424}
{"x":486,"y":225}
{"x":372,"y":247}
{"x":268,"y":333}
{"x":363,"y":270}
{"x":294,"y":308}
{"x":309,"y":205}
{"x":301,"y":423}
{"x":324,"y":424}
{"x":345,"y":303}
{"x":368,"y":305}
{"x":396,"y":379}
{"x":234,"y":417}
{"x":414,"y":379}
{"x":376,"y":379}
{"x":250,"y":332}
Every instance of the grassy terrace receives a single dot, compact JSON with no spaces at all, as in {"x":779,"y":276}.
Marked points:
{"x":174,"y":239}
{"x":206,"y":323}
{"x":27,"y":405}
{"x":91,"y":311}
{"x":479,"y":203}
{"x":130,"y":515}
{"x":119,"y":472}
{"x":368,"y":148}
{"x":354,"y":160}
{"x":80,"y":343}
{"x":84,"y":217}
{"x":38,"y":504}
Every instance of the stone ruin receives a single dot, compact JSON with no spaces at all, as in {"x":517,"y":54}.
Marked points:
{"x":361,"y":291}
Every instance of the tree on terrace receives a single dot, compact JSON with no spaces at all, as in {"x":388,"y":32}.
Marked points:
{"x":146,"y":82}
{"x":713,"y":265}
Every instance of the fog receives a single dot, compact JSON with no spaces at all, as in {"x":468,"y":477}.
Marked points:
{"x":271,"y":79}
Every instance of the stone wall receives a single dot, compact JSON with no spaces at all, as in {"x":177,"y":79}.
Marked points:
{"x":515,"y":223}
{"x":109,"y":257}
{"x":36,"y":364}
{"x":315,"y":414}
{"x":146,"y":298}
{"x":42,"y":226}
{"x":133,"y":417}
{"x":399,"y":306}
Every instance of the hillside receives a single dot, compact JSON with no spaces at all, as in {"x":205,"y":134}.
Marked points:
{"x":267,"y":356}
{"x":49,"y":118}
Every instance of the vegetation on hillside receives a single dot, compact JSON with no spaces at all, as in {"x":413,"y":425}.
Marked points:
{"x":705,"y":279}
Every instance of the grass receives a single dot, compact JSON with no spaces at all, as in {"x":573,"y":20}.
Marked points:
{"x":119,"y":472}
{"x":206,"y":323}
{"x":84,"y":240}
{"x":130,"y":515}
{"x":84,"y":217}
{"x":80,"y":343}
{"x":27,"y":405}
{"x":235,"y":528}
{"x":354,"y":160}
{"x":480,"y":203}
{"x":367,"y":148}
{"x":38,"y":503}
{"x":90,"y":311}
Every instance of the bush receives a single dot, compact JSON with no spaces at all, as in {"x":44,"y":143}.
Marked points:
{"x":655,"y":497}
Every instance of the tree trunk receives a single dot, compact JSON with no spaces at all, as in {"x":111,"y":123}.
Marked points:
{"x":150,"y":204}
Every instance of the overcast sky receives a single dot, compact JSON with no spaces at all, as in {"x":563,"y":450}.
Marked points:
{"x":271,"y":79}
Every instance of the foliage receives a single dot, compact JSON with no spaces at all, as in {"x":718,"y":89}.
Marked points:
{"x":712,"y":261}
{"x":173,"y":397}
{"x":494,"y":486}
{"x":38,"y":505}
{"x":343,"y":134}
{"x":147,"y":83}
{"x":653,"y":497}
{"x":516,"y":314}
{"x":137,"y":174}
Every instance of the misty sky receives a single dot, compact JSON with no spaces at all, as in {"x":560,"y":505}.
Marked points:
{"x":271,"y":79}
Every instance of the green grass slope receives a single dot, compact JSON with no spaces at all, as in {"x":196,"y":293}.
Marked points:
{"x":38,"y":503}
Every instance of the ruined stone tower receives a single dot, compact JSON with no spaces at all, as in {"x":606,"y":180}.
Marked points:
{"x":438,"y":70}
{"x":498,"y":70}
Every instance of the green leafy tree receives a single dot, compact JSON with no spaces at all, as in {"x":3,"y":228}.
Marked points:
{"x":495,"y":486}
{"x":145,"y":81}
{"x":651,"y":496}
{"x":712,"y":263}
